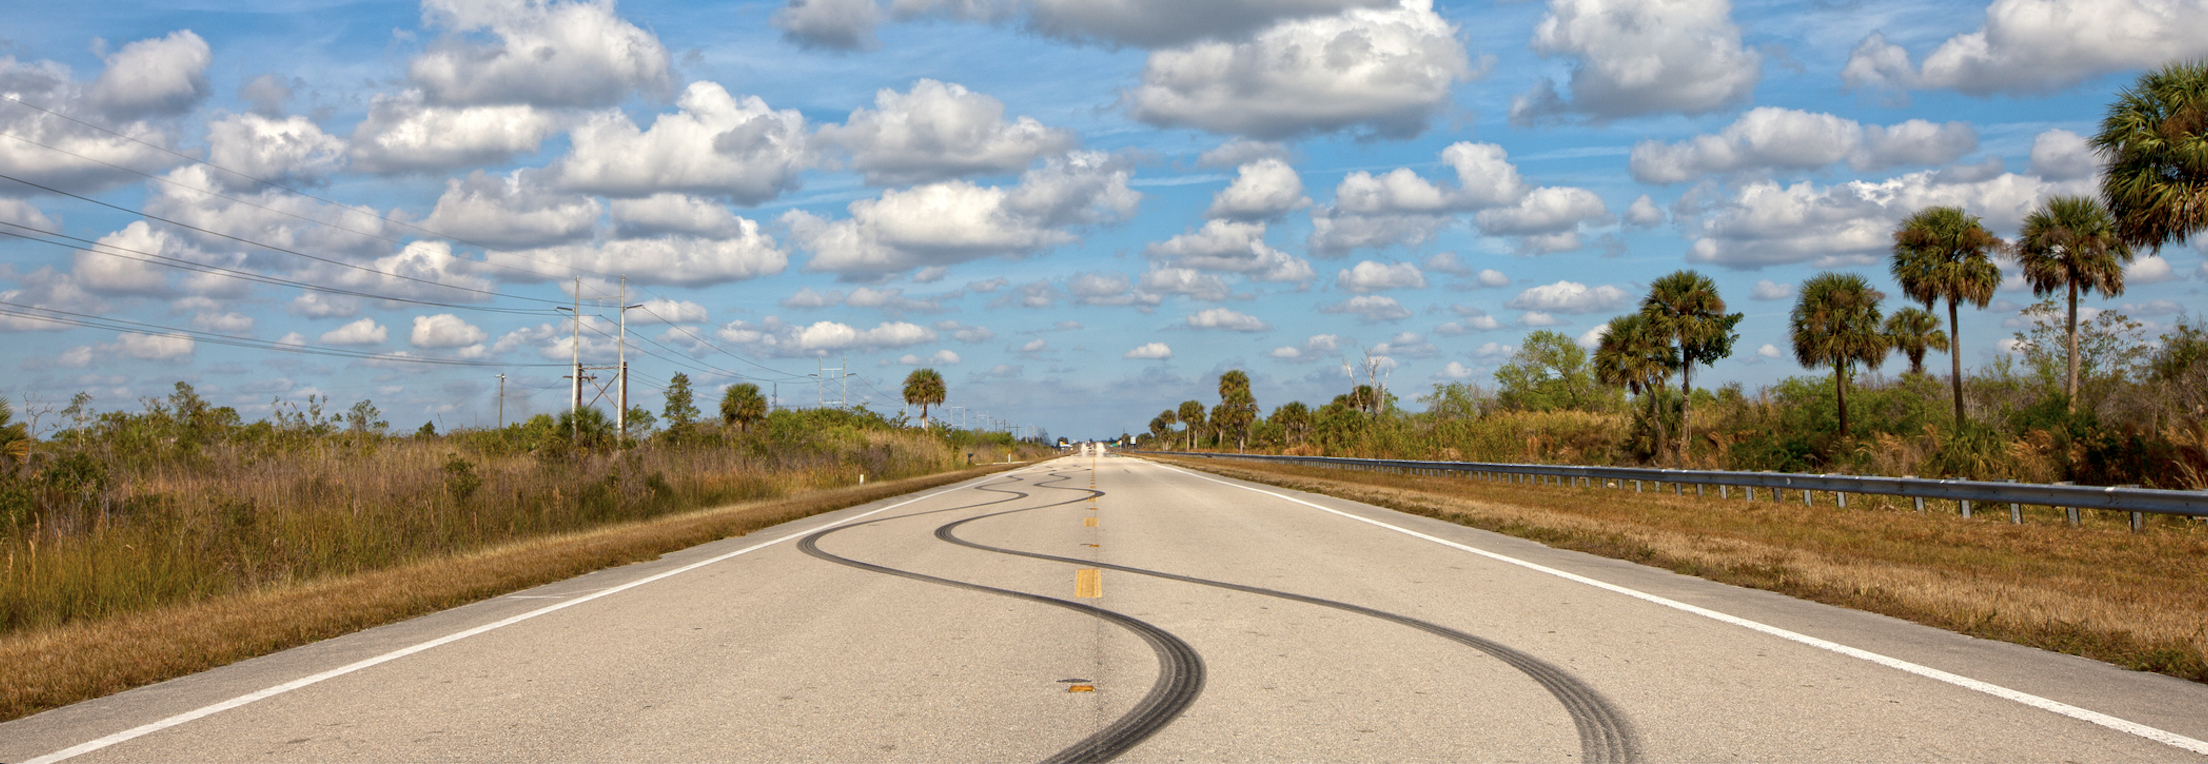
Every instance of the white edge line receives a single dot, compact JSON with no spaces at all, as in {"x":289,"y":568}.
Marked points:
{"x":201,"y":713}
{"x":2121,"y":725}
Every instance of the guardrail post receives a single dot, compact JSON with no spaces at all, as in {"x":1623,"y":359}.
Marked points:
{"x":1636,"y":486}
{"x":2138,"y":519}
{"x":1698,"y":490}
{"x":1841,"y":498}
{"x":1751,"y":493}
{"x":2016,"y":511}
{"x":1918,"y":499}
{"x":1809,"y":498}
{"x":1966,"y":507}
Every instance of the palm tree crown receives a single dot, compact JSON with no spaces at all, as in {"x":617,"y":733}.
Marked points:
{"x":2071,"y":244}
{"x":1835,"y":323}
{"x":742,"y":405}
{"x":924,"y":388}
{"x":1913,"y":330}
{"x":2156,"y":140}
{"x":1940,"y":253}
{"x":1635,"y":354}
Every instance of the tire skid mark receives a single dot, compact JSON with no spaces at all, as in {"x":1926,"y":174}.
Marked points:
{"x":1180,"y":670}
{"x":1605,"y":733}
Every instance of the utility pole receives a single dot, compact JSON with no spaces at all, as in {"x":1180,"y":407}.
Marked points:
{"x":501,"y":401}
{"x":844,"y":371}
{"x":575,"y":344}
{"x":621,"y":414}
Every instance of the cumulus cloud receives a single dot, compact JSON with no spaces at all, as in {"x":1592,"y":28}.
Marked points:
{"x":1851,"y":223}
{"x":1241,"y":151}
{"x":101,"y":160}
{"x":1187,"y":282}
{"x":538,"y":52}
{"x":715,"y":144}
{"x":1474,"y":320}
{"x":1570,"y":297}
{"x":2036,"y":46}
{"x":1224,"y":246}
{"x":158,"y":77}
{"x":1152,"y":351}
{"x":938,"y":131}
{"x":1641,"y":58}
{"x":2063,"y":155}
{"x":1370,"y":308}
{"x":940,"y":358}
{"x":1368,"y":276}
{"x":514,"y":211}
{"x":363,"y":332}
{"x":829,"y":24}
{"x":1262,"y":190}
{"x":404,"y":133}
{"x":223,"y":323}
{"x":1381,"y":71}
{"x":673,"y":259}
{"x":2151,"y":269}
{"x":287,"y":151}
{"x":775,"y":337}
{"x":666,"y":311}
{"x":1773,"y":138}
{"x":1547,"y":210}
{"x":1401,"y":207}
{"x":679,"y":214}
{"x":1766,"y":289}
{"x":152,"y":347}
{"x":958,"y":221}
{"x":1455,"y":371}
{"x":1222,"y":318}
{"x":1315,"y":347}
{"x":1109,"y":289}
{"x":443,"y":330}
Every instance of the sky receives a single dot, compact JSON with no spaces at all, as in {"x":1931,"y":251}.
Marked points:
{"x":1080,"y":212}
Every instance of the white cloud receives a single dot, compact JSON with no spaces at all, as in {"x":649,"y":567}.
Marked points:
{"x":1241,"y":151}
{"x":1592,"y":338}
{"x":1400,"y":207}
{"x":964,"y":333}
{"x":100,"y":159}
{"x":113,"y":275}
{"x":2063,"y":155}
{"x":940,"y":358}
{"x":892,"y":301}
{"x":1185,"y":281}
{"x":1641,"y":58}
{"x":775,"y":337}
{"x":1153,"y":351}
{"x":938,"y":131}
{"x":223,"y":323}
{"x":1490,"y":278}
{"x":667,"y":311}
{"x":1770,"y":351}
{"x":1455,"y":371}
{"x":808,"y":299}
{"x":2151,"y":269}
{"x":1474,"y":320}
{"x":1313,"y":348}
{"x":1036,"y":345}
{"x":1570,"y":297}
{"x":547,"y":53}
{"x":1547,"y":210}
{"x":1773,"y":138}
{"x":511,"y":212}
{"x":1406,"y":345}
{"x":1370,"y":308}
{"x":1226,"y":246}
{"x":957,"y":221}
{"x":1222,"y":318}
{"x":1644,"y":213}
{"x":1368,"y":276}
{"x":444,"y":330}
{"x":714,"y":145}
{"x":156,"y":77}
{"x":671,"y":259}
{"x":1383,"y":71}
{"x":1851,"y":223}
{"x":1766,"y":289}
{"x":286,"y":151}
{"x":152,"y":347}
{"x":674,"y":214}
{"x":1263,"y":190}
{"x":1537,"y":318}
{"x":1108,"y":289}
{"x":363,"y":332}
{"x":403,"y":133}
{"x":2036,"y":46}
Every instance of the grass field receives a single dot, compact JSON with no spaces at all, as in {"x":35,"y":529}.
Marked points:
{"x":2138,"y":600}
{"x":53,"y":666}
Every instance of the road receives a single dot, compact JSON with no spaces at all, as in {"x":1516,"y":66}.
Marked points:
{"x":1107,"y":608}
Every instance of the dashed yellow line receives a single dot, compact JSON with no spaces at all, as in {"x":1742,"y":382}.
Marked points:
{"x":1088,"y":582}
{"x":1088,"y":522}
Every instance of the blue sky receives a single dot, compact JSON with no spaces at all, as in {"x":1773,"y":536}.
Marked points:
{"x":1079,"y":212}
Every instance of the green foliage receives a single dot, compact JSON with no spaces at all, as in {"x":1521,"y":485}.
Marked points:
{"x":742,"y":405}
{"x":2183,"y":348}
{"x":362,"y":419}
{"x":924,"y":388}
{"x":1237,"y":408}
{"x":1549,"y":373}
{"x":2155,"y":138}
{"x":461,"y":479}
{"x":1457,"y":400}
{"x":680,"y":409}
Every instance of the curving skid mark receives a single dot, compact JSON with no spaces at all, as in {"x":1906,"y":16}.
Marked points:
{"x":1180,"y":670}
{"x":1605,"y":734}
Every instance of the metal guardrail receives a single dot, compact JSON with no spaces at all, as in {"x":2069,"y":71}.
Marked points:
{"x":2070,"y":498}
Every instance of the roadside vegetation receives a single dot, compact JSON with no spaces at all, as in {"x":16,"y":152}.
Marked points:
{"x":2083,"y":396}
{"x":179,"y":504}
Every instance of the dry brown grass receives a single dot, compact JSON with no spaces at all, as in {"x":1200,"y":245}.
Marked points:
{"x":2099,"y":591}
{"x":53,"y":667}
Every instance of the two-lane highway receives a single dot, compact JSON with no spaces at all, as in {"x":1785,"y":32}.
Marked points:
{"x":1095,"y":608}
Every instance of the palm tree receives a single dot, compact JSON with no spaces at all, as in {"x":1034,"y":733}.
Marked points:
{"x":1913,"y":330}
{"x":741,"y":405}
{"x":15,"y":440}
{"x":2072,"y":243}
{"x":2156,"y":140}
{"x":1686,"y":308}
{"x":1940,"y":254}
{"x":1238,"y":408}
{"x":1835,"y":323}
{"x":1192,"y":420}
{"x":924,"y":388}
{"x":1638,"y":356}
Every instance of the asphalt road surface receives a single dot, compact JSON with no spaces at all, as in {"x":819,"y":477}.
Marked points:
{"x":1106,"y":608}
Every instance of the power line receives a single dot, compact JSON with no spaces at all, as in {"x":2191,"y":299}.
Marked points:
{"x":52,"y":315}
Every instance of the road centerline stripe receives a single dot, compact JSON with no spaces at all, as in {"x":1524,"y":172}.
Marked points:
{"x":312,"y":679}
{"x":2126,"y":726}
{"x":1088,"y":582}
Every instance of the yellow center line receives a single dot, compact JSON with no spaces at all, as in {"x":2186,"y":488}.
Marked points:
{"x":1088,"y":582}
{"x":1088,"y":522}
